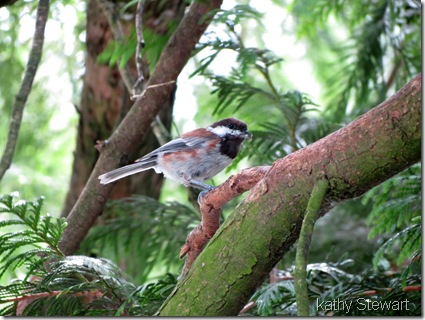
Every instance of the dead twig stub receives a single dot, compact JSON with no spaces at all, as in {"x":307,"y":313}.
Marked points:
{"x":25,"y":300}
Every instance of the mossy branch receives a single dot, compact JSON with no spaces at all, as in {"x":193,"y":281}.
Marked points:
{"x":303,"y":248}
{"x":376,"y":146}
{"x":210,"y":207}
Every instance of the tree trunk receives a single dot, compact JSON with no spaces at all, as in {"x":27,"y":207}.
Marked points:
{"x":137,"y":122}
{"x":371,"y":149}
{"x":105,"y":100}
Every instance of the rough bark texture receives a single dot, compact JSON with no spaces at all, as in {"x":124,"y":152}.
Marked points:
{"x":210,"y":207}
{"x":371,"y":149}
{"x":102,"y":98}
{"x":125,"y":139}
{"x":105,"y":99}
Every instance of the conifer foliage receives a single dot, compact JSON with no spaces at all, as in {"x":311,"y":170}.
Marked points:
{"x":128,"y":263}
{"x":57,"y":285}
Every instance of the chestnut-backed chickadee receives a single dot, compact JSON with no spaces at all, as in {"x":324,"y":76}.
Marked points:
{"x":193,"y":158}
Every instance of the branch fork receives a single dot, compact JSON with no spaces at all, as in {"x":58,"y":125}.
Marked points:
{"x":211,"y":204}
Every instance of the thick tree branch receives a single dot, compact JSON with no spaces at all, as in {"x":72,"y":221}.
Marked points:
{"x":4,"y":3}
{"x":26,"y":85}
{"x":134,"y":126}
{"x":371,"y":149}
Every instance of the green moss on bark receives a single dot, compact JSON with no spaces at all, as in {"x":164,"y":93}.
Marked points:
{"x":381,"y":143}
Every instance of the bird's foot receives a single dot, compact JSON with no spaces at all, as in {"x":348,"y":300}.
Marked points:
{"x":200,"y":185}
{"x":203,"y":193}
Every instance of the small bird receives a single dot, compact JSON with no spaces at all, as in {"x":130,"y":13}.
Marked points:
{"x":193,"y":158}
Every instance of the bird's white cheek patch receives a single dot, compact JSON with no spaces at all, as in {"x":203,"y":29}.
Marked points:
{"x":220,"y":130}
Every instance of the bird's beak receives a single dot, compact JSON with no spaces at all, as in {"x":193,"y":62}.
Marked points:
{"x":247,"y":135}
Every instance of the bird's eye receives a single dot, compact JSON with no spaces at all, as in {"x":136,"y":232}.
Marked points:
{"x":231,"y":126}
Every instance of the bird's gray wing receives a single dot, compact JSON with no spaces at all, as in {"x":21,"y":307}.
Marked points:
{"x":178,"y":144}
{"x":150,"y":160}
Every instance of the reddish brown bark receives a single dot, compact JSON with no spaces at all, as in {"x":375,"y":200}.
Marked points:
{"x":102,"y":98}
{"x":210,"y":206}
{"x":371,"y":149}
{"x":136,"y":124}
{"x":24,"y":301}
{"x":105,"y":100}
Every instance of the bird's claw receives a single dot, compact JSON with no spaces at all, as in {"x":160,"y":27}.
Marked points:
{"x":204,"y":192}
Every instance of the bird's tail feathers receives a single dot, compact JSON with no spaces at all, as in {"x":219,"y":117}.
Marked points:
{"x":120,"y":173}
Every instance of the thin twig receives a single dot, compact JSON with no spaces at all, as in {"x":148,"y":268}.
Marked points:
{"x":250,"y":305}
{"x":138,"y":86}
{"x":111,"y":14}
{"x":300,"y":271}
{"x":385,"y":290}
{"x":40,"y":295}
{"x":160,"y":131}
{"x":26,"y":85}
{"x":134,"y":88}
{"x":394,"y":71}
